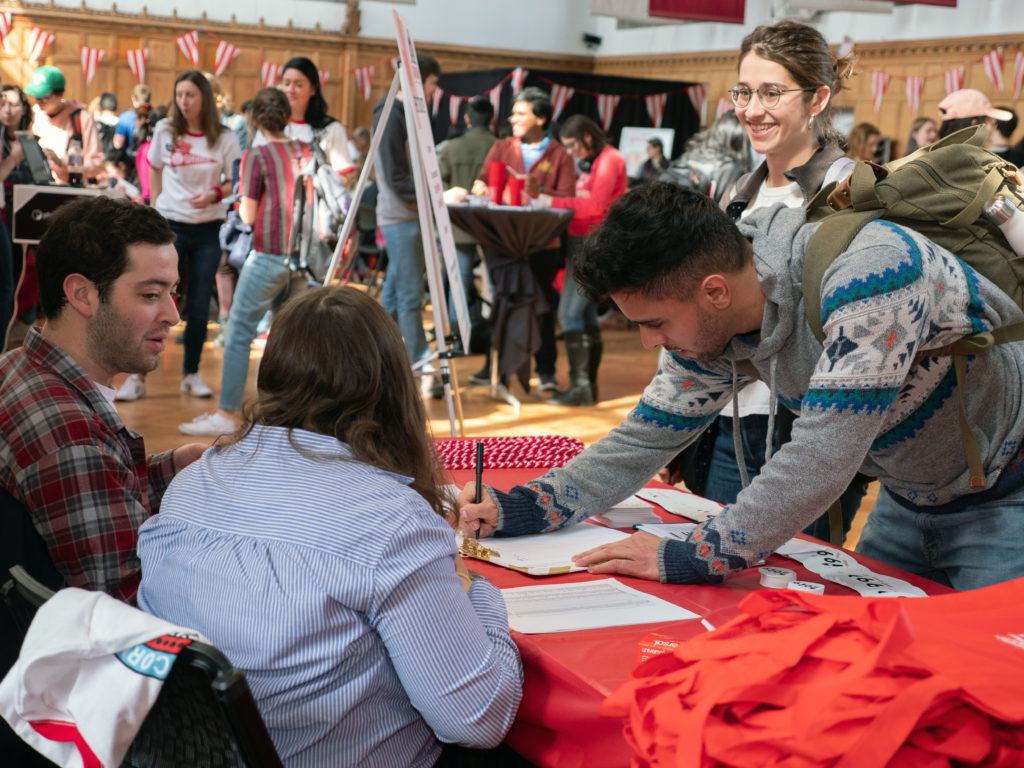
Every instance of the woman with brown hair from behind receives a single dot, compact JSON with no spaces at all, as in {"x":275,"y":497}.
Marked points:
{"x":321,"y":558}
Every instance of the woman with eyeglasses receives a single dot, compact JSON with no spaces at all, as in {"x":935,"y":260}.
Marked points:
{"x":783,"y":98}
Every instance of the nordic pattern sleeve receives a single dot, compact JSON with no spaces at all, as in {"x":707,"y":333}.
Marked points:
{"x":678,"y":404}
{"x":875,"y":312}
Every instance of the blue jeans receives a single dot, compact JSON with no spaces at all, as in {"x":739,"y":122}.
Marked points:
{"x":198,"y":247}
{"x":974,"y":548}
{"x":263,"y":279}
{"x":466,"y":255}
{"x":576,"y":313}
{"x":403,"y":284}
{"x":724,"y":485}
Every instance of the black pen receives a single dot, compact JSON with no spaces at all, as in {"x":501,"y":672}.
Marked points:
{"x":479,"y":495}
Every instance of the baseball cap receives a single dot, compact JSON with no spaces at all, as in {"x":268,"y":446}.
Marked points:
{"x":45,"y":81}
{"x":969,"y":102}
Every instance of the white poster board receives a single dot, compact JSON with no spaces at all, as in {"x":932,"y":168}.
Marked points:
{"x":633,"y":145}
{"x":421,"y":147}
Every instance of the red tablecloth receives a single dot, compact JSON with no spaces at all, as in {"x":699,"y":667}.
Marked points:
{"x":569,"y":674}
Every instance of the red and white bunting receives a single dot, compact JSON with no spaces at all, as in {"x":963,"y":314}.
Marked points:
{"x":915,"y":85}
{"x":269,"y":74}
{"x":495,"y":96}
{"x":454,"y":104}
{"x":226,"y":53}
{"x":435,"y":101}
{"x":91,"y":58}
{"x":879,"y":85}
{"x":698,"y":95}
{"x":992,"y":62}
{"x":325,"y":75}
{"x":188,"y":44}
{"x":1018,"y":74}
{"x":656,"y":107}
{"x":364,"y":81}
{"x":954,"y":79}
{"x":38,"y":41}
{"x":137,"y":58}
{"x":723,"y":107}
{"x":560,"y":95}
{"x":6,"y":23}
{"x":518,"y":78}
{"x":845,"y":47}
{"x":606,"y":104}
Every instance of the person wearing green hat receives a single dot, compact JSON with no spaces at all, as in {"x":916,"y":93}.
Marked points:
{"x":58,"y":122}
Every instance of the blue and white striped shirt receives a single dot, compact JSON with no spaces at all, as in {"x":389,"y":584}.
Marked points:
{"x":332,"y":584}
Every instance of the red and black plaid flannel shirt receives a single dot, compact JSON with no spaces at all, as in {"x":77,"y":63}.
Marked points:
{"x":82,"y":474}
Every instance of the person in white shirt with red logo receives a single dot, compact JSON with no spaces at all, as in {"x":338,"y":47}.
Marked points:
{"x":191,"y":157}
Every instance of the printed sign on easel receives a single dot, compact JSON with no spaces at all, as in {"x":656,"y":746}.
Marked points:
{"x":421,"y":147}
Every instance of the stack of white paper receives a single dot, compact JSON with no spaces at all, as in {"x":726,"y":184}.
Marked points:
{"x":684,"y":504}
{"x":680,"y":531}
{"x":586,"y":605}
{"x":549,"y":553}
{"x":627,"y":513}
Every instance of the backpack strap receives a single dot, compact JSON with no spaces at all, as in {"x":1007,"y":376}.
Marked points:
{"x":76,"y":125}
{"x":832,"y":238}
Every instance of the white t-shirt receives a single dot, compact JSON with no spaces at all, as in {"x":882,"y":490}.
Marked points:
{"x":333,"y":141}
{"x":191,"y":166}
{"x":755,"y":398}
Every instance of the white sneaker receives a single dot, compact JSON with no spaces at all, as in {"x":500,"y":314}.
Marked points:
{"x":131,"y":388}
{"x":193,"y":385}
{"x":212,"y":424}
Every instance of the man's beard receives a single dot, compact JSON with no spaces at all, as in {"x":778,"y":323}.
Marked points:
{"x":109,"y":338}
{"x":714,"y":337}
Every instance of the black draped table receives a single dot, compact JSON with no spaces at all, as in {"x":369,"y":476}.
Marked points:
{"x":508,"y":236}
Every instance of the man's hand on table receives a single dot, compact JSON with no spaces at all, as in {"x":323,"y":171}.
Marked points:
{"x":479,"y":518}
{"x":455,"y":195}
{"x":635,"y":556}
{"x":479,"y":188}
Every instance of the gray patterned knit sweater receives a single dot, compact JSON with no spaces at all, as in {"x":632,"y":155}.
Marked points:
{"x":864,"y":404}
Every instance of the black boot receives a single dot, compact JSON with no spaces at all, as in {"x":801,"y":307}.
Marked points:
{"x":577,"y":347}
{"x":596,"y":348}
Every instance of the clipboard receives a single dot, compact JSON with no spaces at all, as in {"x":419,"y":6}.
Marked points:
{"x":543,"y":554}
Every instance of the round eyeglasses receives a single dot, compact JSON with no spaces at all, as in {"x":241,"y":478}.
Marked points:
{"x":767,"y":95}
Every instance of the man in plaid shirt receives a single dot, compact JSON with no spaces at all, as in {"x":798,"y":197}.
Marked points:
{"x":108,"y":271}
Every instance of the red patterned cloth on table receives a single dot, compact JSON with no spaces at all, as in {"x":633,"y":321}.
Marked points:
{"x":508,"y":452}
{"x":808,"y":680}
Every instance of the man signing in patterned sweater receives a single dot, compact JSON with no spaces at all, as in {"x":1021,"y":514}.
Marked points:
{"x":718,"y":296}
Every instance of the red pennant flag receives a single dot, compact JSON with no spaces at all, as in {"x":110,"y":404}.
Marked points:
{"x":1018,"y":74}
{"x":656,"y":107}
{"x":560,"y":95}
{"x":226,"y":53}
{"x":188,"y":44}
{"x":698,"y":95}
{"x":606,"y":104}
{"x":435,"y":101}
{"x":137,"y":58}
{"x":454,"y":106}
{"x":91,"y":58}
{"x":269,"y":74}
{"x":495,"y":96}
{"x":38,"y":41}
{"x":845,"y":47}
{"x":518,"y":78}
{"x":724,"y":105}
{"x":6,"y":24}
{"x":879,"y":84}
{"x":325,"y":75}
{"x":954,"y":79}
{"x":993,"y":65}
{"x":364,"y":81}
{"x":915,"y":85}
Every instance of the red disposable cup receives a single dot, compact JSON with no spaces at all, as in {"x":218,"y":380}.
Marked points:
{"x":497,"y":175}
{"x":515,"y":190}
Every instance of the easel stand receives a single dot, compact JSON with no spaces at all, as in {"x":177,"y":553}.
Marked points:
{"x":435,"y":228}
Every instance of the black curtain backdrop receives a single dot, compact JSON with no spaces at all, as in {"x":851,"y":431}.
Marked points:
{"x":631,"y":110}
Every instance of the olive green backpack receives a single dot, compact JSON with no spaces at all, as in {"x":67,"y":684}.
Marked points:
{"x":939,"y":191}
